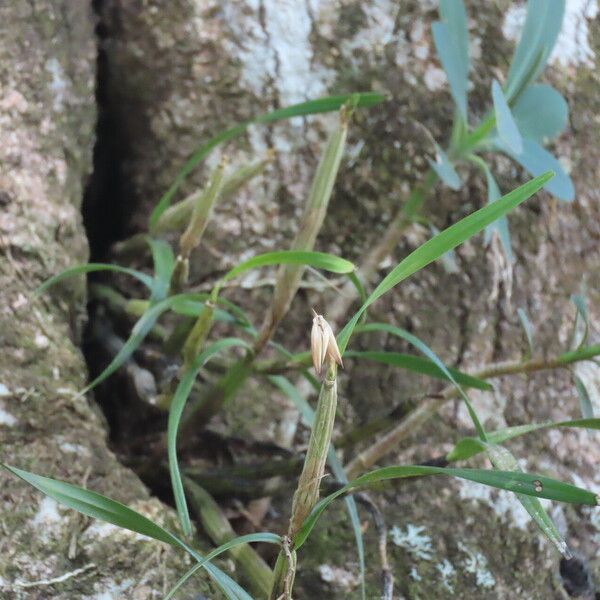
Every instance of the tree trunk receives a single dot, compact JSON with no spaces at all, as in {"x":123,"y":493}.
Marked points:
{"x":47,"y":119}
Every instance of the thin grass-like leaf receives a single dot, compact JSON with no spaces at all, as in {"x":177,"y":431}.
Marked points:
{"x":176,"y":410}
{"x":164,"y":262}
{"x":435,"y":360}
{"x":585,"y":402}
{"x":443,"y":242}
{"x":321,"y":105}
{"x":514,"y":481}
{"x":92,"y":268}
{"x":100,"y":507}
{"x":468,"y":447}
{"x":418,"y":365}
{"x":582,"y":313}
{"x":527,"y":329}
{"x":138,"y":333}
{"x":266,"y":538}
{"x":318,"y":260}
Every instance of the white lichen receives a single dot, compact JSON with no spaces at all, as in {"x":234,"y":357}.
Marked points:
{"x":476,"y":564}
{"x":6,"y":418}
{"x":413,"y":541}
{"x":447,"y":571}
{"x":338,"y":576}
{"x":48,"y":521}
{"x":58,"y":83}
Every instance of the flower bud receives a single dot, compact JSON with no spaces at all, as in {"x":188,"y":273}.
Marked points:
{"x":323,"y":344}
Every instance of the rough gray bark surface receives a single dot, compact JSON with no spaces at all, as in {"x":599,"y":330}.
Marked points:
{"x":210,"y":64}
{"x":47,"y":120}
{"x":182,"y":70}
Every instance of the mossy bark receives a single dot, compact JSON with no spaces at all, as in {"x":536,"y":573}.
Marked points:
{"x":183,"y":70}
{"x":47,"y":119}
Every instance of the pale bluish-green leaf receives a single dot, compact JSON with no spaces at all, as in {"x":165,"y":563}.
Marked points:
{"x":180,"y":397}
{"x":585,"y":402}
{"x":265,"y":538}
{"x":580,"y":303}
{"x":440,"y":244}
{"x":541,"y":113}
{"x":449,"y":39}
{"x":527,"y":329}
{"x":536,"y":160}
{"x":444,"y":169}
{"x":321,"y":105}
{"x":507,"y":129}
{"x":538,"y":37}
{"x":537,"y":486}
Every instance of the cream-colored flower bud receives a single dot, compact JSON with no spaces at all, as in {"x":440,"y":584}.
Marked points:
{"x":323,"y":344}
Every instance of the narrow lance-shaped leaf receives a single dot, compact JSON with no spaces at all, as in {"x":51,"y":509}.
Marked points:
{"x":527,"y":329}
{"x":503,"y":460}
{"x":176,"y":410}
{"x":442,"y":243}
{"x":164,"y":262}
{"x":100,"y":507}
{"x":505,"y":123}
{"x":265,"y":538}
{"x":92,"y":268}
{"x":451,"y":40}
{"x":535,"y":160}
{"x":585,"y":402}
{"x":468,"y":447}
{"x":321,"y":105}
{"x":444,"y":169}
{"x":514,"y":481}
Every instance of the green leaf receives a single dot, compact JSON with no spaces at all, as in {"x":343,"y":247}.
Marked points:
{"x":527,"y":328}
{"x":92,"y":268}
{"x":267,"y":538}
{"x":443,"y":242}
{"x":100,"y":507}
{"x":505,"y":123}
{"x":164,"y":263}
{"x":536,"y":160}
{"x":176,"y":410}
{"x":444,"y":169}
{"x":468,"y":447}
{"x":537,"y":486}
{"x":138,"y":333}
{"x":321,"y":105}
{"x":318,"y":260}
{"x":433,"y":357}
{"x":503,"y":460}
{"x":585,"y":402}
{"x":418,"y":365}
{"x":541,"y":113}
{"x":542,"y":26}
{"x":580,"y":303}
{"x":308,"y":416}
{"x":451,"y":39}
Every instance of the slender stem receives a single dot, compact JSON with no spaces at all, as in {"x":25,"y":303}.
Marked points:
{"x":307,"y":492}
{"x":431,"y":406}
